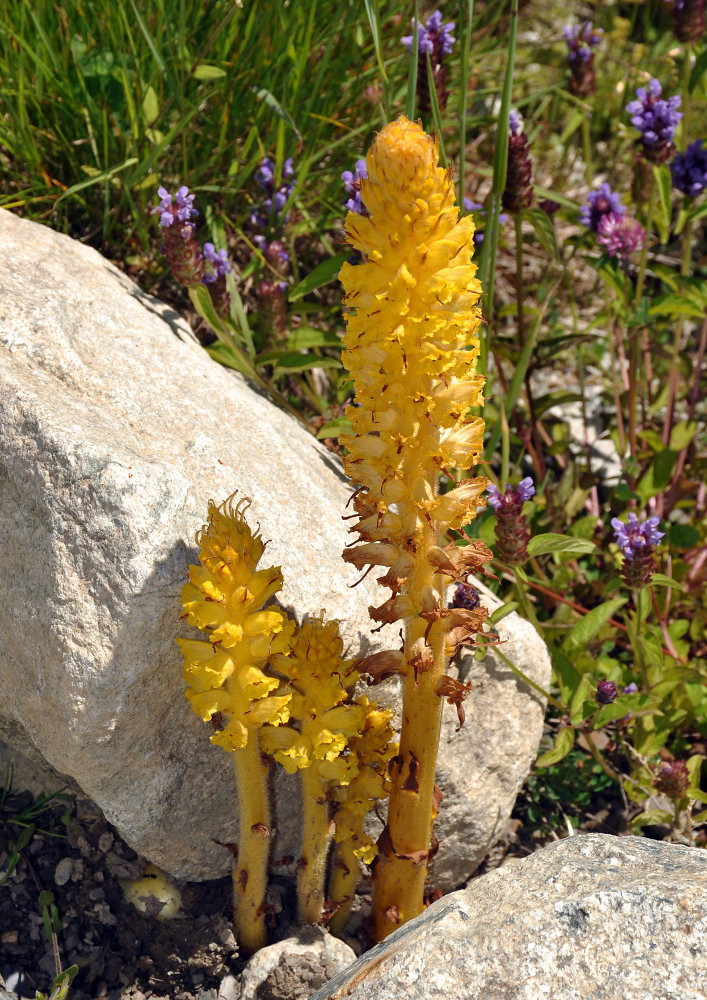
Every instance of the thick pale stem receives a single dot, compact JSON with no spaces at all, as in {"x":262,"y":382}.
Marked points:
{"x":316,"y":835}
{"x":345,"y":876}
{"x":404,"y":845}
{"x":250,"y":870}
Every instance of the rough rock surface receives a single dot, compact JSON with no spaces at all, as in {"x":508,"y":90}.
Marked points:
{"x":293,"y":968}
{"x":117,"y":429}
{"x":588,"y":918}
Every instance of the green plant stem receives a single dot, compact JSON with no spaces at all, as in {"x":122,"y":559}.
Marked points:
{"x":527,"y":680}
{"x":681,"y":327}
{"x":599,"y":758}
{"x":537,"y":451}
{"x":635,"y":635}
{"x":587,"y":146}
{"x":526,"y":606}
{"x":644,"y":252}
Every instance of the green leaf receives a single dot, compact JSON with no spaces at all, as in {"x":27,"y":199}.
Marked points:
{"x":540,"y":545}
{"x":228,"y":358}
{"x":617,"y":710}
{"x":663,"y":182}
{"x":660,"y":580}
{"x":306,"y":337}
{"x":206,"y":71}
{"x":102,"y":175}
{"x":321,"y":275}
{"x":584,"y":689}
{"x":341,"y":425}
{"x":564,"y":741}
{"x":658,"y":475}
{"x":150,"y":105}
{"x":588,"y":626}
{"x":684,"y":535}
{"x":500,"y":613}
{"x":295,"y":362}
{"x":682,"y":434}
{"x":698,"y":70}
{"x":653,"y":817}
{"x":675,"y":304}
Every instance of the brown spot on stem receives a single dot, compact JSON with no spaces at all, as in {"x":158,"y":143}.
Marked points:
{"x":242,"y":881}
{"x":260,"y":828}
{"x":411,"y":784}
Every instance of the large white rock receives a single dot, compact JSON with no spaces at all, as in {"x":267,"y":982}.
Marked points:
{"x":588,"y":918}
{"x":116,"y":430}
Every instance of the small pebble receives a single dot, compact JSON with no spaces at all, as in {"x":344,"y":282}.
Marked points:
{"x":9,"y":937}
{"x":64,"y":871}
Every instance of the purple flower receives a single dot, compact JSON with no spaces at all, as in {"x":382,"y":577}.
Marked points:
{"x":637,"y":535}
{"x":621,"y":235}
{"x":656,"y":119}
{"x":170,"y":213}
{"x":511,"y":496}
{"x":434,"y":38}
{"x":352,"y":184}
{"x":269,"y":213}
{"x":220,"y":264}
{"x":606,"y":692}
{"x":630,"y":688}
{"x":689,"y":169}
{"x":599,"y":203}
{"x":581,"y":39}
{"x":515,"y":122}
{"x":673,"y":778}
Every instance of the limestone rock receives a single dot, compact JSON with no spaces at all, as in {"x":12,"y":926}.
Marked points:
{"x":589,"y":918}
{"x":292,"y":969}
{"x":117,"y":429}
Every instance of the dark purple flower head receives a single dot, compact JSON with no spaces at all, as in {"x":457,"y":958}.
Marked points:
{"x":512,"y":496}
{"x":466,"y":596}
{"x":689,"y":169}
{"x":434,"y":38}
{"x":600,"y":203}
{"x":606,"y":692}
{"x":220,"y":264}
{"x":637,"y":535}
{"x":656,"y":119}
{"x":673,"y":778}
{"x":581,"y":39}
{"x":352,"y":184}
{"x":621,"y":235}
{"x":688,"y":19}
{"x":181,"y":211}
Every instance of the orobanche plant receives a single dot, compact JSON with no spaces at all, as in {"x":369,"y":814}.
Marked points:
{"x":271,"y":687}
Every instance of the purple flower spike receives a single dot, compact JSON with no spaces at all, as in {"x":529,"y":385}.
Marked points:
{"x":656,"y":119}
{"x":515,"y":122}
{"x":512,"y":531}
{"x":637,"y":540}
{"x":434,"y":38}
{"x":599,"y":203}
{"x":689,"y":169}
{"x":636,"y":535}
{"x":170,"y":213}
{"x":621,"y":235}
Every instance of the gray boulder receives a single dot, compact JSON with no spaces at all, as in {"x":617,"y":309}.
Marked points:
{"x":117,"y":429}
{"x":589,"y":918}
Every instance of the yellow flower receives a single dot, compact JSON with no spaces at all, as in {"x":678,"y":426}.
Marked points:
{"x":225,"y":595}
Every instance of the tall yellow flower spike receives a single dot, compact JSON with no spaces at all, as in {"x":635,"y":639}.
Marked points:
{"x":320,"y":680}
{"x":228,"y":685}
{"x":411,"y":348}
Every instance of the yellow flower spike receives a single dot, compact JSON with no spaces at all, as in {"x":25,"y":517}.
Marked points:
{"x":373,"y":749}
{"x":411,"y":348}
{"x":228,"y":683}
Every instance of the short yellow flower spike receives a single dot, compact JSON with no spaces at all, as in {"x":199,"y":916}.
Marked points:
{"x":411,"y":348}
{"x":229,"y":684}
